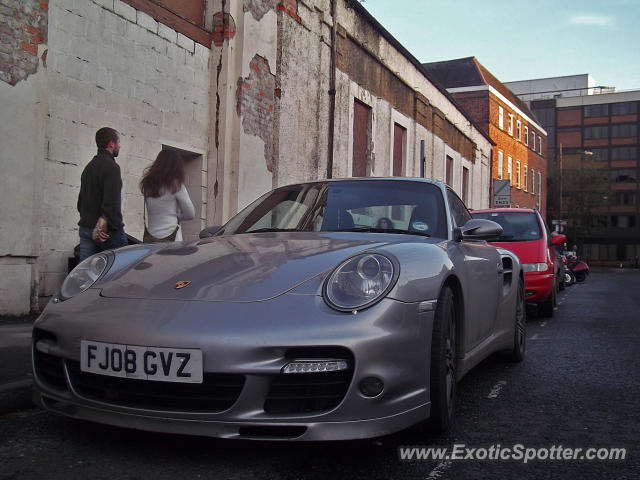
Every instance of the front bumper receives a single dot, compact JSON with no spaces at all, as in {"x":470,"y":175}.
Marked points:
{"x":389,"y":341}
{"x":538,"y":286}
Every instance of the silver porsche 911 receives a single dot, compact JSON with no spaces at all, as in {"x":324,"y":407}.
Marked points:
{"x":327,"y":310}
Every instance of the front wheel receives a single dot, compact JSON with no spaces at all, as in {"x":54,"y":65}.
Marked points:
{"x":520,"y":333}
{"x":545,"y":308}
{"x":443,"y":364}
{"x":580,"y":276}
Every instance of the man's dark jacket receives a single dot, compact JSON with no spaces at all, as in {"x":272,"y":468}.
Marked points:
{"x":100,"y":188}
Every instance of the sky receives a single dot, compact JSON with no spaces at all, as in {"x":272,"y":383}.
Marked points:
{"x":522,"y":40}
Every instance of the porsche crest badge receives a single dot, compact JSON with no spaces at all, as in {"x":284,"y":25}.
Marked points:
{"x":181,"y":284}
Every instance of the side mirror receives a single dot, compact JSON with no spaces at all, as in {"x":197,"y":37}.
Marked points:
{"x":558,"y":239}
{"x":209,"y":231}
{"x":478,"y":229}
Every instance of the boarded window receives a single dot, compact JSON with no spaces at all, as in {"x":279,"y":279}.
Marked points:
{"x":361,"y":116}
{"x":399,"y":136}
{"x":465,"y":185}
{"x":449,"y":172}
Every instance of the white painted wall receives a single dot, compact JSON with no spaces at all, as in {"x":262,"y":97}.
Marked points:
{"x":107,"y":65}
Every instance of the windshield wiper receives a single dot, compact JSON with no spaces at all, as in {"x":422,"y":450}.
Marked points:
{"x":505,"y":237}
{"x":381,"y":230}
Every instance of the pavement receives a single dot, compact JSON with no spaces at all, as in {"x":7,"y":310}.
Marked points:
{"x":16,"y":379}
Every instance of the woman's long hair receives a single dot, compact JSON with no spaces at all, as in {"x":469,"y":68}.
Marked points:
{"x":165,"y":175}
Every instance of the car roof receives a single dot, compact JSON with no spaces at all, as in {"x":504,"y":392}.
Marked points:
{"x":369,"y":179}
{"x":504,"y":209}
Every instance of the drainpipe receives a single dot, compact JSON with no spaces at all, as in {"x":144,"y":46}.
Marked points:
{"x":332,"y":89}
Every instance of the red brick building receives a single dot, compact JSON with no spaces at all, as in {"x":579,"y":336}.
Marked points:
{"x":520,"y":141}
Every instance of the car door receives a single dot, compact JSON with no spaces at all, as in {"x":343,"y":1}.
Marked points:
{"x":480,"y":266}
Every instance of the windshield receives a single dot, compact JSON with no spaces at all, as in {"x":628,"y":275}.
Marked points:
{"x":378,"y":206}
{"x":516,"y":226}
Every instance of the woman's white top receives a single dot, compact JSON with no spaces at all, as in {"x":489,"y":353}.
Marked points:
{"x":165,"y":212}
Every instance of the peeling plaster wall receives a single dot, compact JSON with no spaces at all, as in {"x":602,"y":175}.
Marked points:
{"x":259,"y":60}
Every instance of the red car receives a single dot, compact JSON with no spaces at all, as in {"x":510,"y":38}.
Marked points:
{"x":525,"y":233}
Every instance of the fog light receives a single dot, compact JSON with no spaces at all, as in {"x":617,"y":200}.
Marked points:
{"x":315,"y":366}
{"x":371,"y":386}
{"x":530,"y":293}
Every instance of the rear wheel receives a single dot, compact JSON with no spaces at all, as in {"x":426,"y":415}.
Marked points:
{"x":580,"y":276}
{"x":520,"y":334}
{"x":443,"y":364}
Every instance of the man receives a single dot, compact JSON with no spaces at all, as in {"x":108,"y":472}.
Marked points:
{"x":99,"y":198}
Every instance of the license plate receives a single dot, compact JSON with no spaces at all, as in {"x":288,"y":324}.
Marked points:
{"x":144,"y":363}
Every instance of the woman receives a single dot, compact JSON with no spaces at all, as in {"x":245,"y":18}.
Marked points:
{"x":385,"y":223}
{"x":166,"y":199}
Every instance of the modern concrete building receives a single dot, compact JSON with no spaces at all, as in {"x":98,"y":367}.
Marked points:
{"x":600,"y":124}
{"x":519,"y":154}
{"x":254,"y":93}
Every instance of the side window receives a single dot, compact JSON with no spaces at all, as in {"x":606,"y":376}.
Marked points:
{"x":459,"y":213}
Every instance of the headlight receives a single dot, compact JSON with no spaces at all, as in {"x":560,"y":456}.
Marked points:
{"x":535,"y":267}
{"x":84,"y":275}
{"x":359,"y":282}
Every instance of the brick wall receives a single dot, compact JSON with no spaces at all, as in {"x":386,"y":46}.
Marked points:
{"x":23,"y":26}
{"x":519,"y":152}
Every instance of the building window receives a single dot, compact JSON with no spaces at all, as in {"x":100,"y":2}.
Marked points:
{"x":625,"y":198}
{"x":533,"y":181}
{"x":465,"y":184}
{"x":623,"y":175}
{"x":361,"y":134}
{"x":519,"y":130}
{"x":533,"y":141}
{"x":602,"y":154}
{"x":539,"y":144}
{"x":518,"y":174}
{"x":500,"y":164}
{"x":449,"y":172}
{"x":526,"y":177}
{"x":510,"y":126}
{"x":399,"y":141}
{"x":619,"y":153}
{"x":624,"y":130}
{"x":625,"y":108}
{"x":501,"y":118}
{"x":526,"y":136}
{"x":510,"y":170}
{"x":591,"y":133}
{"x":596,"y":111}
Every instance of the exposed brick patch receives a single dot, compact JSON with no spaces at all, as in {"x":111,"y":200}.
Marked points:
{"x":224,"y":28}
{"x":259,"y":8}
{"x":290,"y":7}
{"x":23,"y":26}
{"x":255,"y":101}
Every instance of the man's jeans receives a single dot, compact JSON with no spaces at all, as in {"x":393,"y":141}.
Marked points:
{"x":88,"y":247}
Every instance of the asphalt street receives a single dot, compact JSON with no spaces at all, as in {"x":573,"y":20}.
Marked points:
{"x":577,"y":388}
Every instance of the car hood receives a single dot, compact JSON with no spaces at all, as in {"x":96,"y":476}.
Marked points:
{"x":240,"y":268}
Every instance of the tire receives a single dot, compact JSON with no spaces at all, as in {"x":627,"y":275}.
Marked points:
{"x":520,"y":333}
{"x":561,"y":283}
{"x":443,"y":364}
{"x":570,"y":278}
{"x":580,"y":277}
{"x":545,"y":309}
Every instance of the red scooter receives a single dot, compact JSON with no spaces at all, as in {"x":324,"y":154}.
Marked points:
{"x":579,"y":268}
